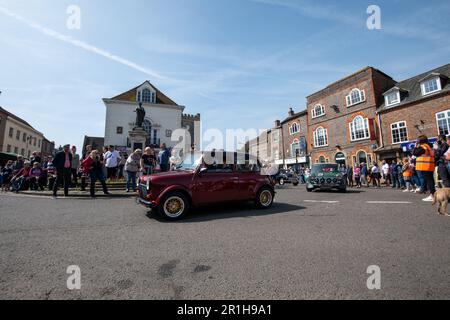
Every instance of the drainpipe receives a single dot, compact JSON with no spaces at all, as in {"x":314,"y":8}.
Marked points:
{"x":381,"y":131}
{"x":282,"y":144}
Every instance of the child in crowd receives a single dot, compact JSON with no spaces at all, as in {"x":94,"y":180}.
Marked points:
{"x":408,"y":171}
{"x":35,"y":177}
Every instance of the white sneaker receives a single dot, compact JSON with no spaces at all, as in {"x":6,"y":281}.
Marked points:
{"x":430,"y":198}
{"x":406,"y":190}
{"x":417,"y":190}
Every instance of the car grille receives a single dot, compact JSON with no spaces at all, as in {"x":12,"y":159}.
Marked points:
{"x":143,"y":190}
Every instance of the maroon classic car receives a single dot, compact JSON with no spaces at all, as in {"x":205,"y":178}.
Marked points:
{"x":200,"y":179}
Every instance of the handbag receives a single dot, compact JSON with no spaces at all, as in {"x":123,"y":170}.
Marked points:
{"x":447,"y":155}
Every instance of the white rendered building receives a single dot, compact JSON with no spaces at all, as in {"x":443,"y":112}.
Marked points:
{"x":163,"y":116}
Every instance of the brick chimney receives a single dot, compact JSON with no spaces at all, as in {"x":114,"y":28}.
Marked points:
{"x":277,"y":123}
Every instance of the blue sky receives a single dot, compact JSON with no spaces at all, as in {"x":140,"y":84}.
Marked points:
{"x":240,"y":63}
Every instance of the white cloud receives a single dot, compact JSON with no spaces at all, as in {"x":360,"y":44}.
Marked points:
{"x":83,"y":45}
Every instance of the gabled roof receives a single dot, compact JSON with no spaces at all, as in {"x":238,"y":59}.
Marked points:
{"x":130,"y":95}
{"x":9,"y":114}
{"x":412,"y":86}
{"x":395,"y":89}
{"x":295,"y":116}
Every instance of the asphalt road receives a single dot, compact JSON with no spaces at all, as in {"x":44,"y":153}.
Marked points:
{"x":302,"y":248}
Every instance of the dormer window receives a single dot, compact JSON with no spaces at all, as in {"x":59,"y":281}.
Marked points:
{"x":146,"y":96}
{"x":356,"y":96}
{"x":431,"y":85}
{"x":318,"y":111}
{"x":392,"y":98}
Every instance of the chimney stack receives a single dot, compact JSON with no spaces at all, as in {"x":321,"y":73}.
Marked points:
{"x":291,"y":112}
{"x":277,"y":123}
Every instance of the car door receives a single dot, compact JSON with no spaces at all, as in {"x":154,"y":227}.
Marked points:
{"x":219,"y":183}
{"x":249,"y":177}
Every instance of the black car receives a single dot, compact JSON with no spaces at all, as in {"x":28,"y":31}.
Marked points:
{"x":284,"y":177}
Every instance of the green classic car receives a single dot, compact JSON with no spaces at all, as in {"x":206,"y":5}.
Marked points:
{"x":326,"y":176}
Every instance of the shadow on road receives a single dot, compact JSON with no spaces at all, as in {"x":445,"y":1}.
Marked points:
{"x":229,"y":211}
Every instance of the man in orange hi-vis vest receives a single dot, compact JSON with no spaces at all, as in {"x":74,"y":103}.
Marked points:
{"x":425,"y":164}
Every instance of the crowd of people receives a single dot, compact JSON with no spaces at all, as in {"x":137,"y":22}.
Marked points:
{"x":427,"y":167}
{"x":68,"y":170}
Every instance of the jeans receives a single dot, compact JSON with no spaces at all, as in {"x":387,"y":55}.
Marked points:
{"x":131,"y":180}
{"x":422,"y":183}
{"x":408,"y":184}
{"x":302,"y":179}
{"x":395,"y":181}
{"x":97,"y":175}
{"x":415,"y":180}
{"x":444,"y":174}
{"x":401,"y":180}
{"x":148,"y":170}
{"x":18,"y":184}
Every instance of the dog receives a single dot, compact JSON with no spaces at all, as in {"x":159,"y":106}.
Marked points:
{"x":442,"y":196}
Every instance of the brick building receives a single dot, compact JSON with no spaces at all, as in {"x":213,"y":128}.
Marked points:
{"x":294,"y":131}
{"x":17,"y":136}
{"x":413,"y":107}
{"x":48,"y":147}
{"x":342,"y":119}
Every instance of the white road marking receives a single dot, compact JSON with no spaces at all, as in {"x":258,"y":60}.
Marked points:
{"x":389,"y":202}
{"x":320,"y":201}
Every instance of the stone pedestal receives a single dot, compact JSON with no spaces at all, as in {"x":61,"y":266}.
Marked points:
{"x":138,"y":138}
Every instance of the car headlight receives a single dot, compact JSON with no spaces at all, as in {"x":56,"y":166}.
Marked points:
{"x":148,"y":184}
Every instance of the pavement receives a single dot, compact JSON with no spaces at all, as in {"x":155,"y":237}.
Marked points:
{"x":307,"y":246}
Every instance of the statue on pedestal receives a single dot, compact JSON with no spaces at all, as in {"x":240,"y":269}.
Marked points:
{"x":140,"y":115}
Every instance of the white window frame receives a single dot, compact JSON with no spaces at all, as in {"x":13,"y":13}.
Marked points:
{"x":295,"y":142}
{"x":316,"y":137}
{"x":361,"y":96}
{"x":386,"y":99}
{"x":446,"y":117}
{"x":398,"y":128}
{"x":291,"y":128}
{"x":139,"y":95}
{"x":322,"y":111}
{"x":423,"y":85}
{"x":366,"y":129}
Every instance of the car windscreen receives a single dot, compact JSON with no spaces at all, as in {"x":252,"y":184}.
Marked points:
{"x":326,"y":168}
{"x":190,"y":162}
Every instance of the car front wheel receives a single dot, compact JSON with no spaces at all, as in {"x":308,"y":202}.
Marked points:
{"x":174,"y":206}
{"x":264,"y":198}
{"x":281,"y":182}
